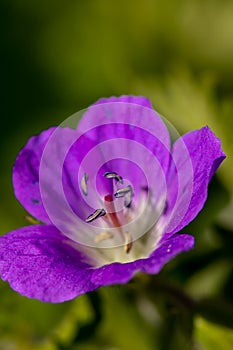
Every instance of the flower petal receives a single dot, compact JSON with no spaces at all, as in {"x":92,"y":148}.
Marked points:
{"x":39,"y":175}
{"x":132,"y":111}
{"x":39,"y":262}
{"x":139,"y":100}
{"x":197,"y":155}
{"x":136,"y":155}
{"x":122,"y":273}
{"x":127,"y":133}
{"x":26,"y":175}
{"x":173,"y":246}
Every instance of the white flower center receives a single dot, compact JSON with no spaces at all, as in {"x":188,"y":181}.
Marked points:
{"x":129,"y":229}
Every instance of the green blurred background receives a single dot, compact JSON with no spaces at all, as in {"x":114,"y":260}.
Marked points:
{"x":58,"y":57}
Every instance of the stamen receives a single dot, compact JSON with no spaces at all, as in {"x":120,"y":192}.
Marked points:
{"x":102,"y":236}
{"x":128,"y":199}
{"x":113,"y":175}
{"x":128,"y":242}
{"x":97,"y":213}
{"x":84,"y":183}
{"x":126,"y":192}
{"x":122,"y":191}
{"x":109,"y":205}
{"x":31,"y":220}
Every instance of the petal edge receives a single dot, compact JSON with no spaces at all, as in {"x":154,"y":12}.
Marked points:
{"x":39,"y":262}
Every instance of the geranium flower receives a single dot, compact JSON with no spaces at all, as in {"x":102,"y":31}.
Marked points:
{"x":110,"y":196}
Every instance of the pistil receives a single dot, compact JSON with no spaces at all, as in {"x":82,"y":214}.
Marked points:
{"x":111,"y":211}
{"x":110,"y":214}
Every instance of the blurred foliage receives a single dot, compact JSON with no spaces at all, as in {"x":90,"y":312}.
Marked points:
{"x":212,"y":337}
{"x":58,"y":57}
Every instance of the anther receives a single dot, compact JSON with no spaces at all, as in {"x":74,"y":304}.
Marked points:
{"x":123,"y":191}
{"x":128,"y":199}
{"x":102,"y":236}
{"x":84,"y":183}
{"x":31,"y":220}
{"x":97,"y":214}
{"x":113,"y":175}
{"x":127,"y":193}
{"x":128,"y":242}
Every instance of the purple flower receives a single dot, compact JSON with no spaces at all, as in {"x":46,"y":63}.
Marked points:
{"x":111,"y":195}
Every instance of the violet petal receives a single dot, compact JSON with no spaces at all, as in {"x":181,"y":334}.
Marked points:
{"x":204,"y":156}
{"x":122,"y":273}
{"x":26,"y":175}
{"x":39,"y":262}
{"x":140,"y":100}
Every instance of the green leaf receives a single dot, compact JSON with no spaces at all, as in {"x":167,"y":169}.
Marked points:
{"x":123,"y":326}
{"x":25,"y":317}
{"x":210,"y":279}
{"x":190,"y":103}
{"x":213,"y":337}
